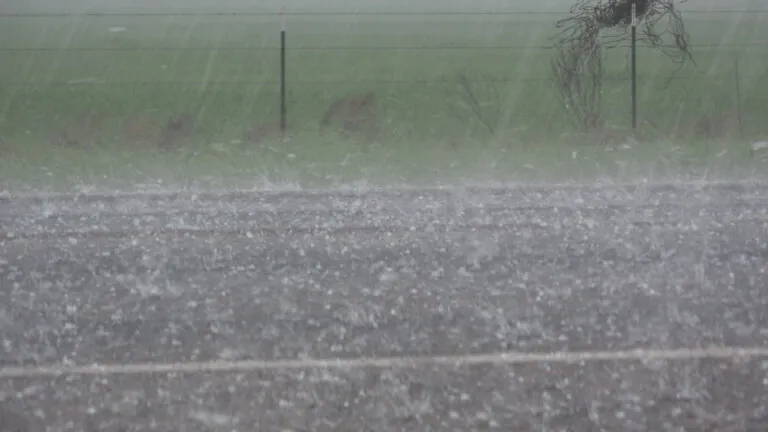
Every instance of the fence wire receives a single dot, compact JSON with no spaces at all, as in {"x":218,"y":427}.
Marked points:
{"x":334,"y":14}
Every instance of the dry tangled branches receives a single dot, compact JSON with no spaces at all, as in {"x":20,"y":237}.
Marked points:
{"x":357,"y":113}
{"x":595,"y":25}
{"x":657,"y":19}
{"x":579,"y":73}
{"x":477,"y":97}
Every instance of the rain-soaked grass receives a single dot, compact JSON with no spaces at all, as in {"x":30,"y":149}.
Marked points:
{"x":298,"y":163}
{"x":87,"y":100}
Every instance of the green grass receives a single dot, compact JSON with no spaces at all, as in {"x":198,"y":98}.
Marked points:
{"x":59,"y":71}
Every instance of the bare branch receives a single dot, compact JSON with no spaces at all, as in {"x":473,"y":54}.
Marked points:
{"x":477,"y":96}
{"x":578,"y":70}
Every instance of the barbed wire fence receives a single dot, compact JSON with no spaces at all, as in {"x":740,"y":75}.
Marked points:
{"x":337,"y":13}
{"x":542,"y":49}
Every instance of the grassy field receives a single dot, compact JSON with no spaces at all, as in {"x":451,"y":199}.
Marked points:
{"x":81,"y":103}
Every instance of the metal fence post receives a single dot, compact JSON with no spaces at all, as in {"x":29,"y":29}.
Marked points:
{"x":283,"y":109}
{"x":634,"y":64}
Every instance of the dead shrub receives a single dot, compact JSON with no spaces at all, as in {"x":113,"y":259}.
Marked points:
{"x":478,"y":98}
{"x":84,"y":129}
{"x":139,"y":129}
{"x":593,"y":26}
{"x":713,"y":126}
{"x":578,"y":71}
{"x":356,"y":114}
{"x":258,"y":134}
{"x":179,"y":126}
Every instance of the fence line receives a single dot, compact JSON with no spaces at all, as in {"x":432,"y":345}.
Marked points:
{"x":96,"y":81}
{"x":75,"y":83}
{"x":334,"y":14}
{"x":359,"y":48}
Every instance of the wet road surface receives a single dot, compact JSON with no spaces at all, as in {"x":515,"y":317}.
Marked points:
{"x":286,"y":276}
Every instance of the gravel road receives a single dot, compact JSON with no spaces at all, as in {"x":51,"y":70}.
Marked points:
{"x":399,"y":273}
